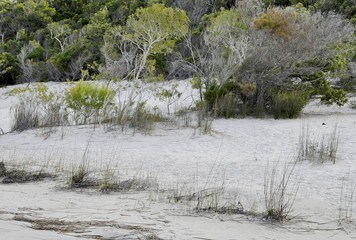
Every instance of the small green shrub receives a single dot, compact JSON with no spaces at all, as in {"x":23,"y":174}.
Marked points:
{"x":18,"y":90}
{"x":222,"y":100}
{"x":288,"y":104}
{"x":88,"y":99}
{"x":329,"y":95}
{"x":142,"y":119}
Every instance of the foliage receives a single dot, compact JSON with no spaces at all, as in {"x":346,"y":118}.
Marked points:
{"x":318,"y":150}
{"x":37,"y":107}
{"x":222,"y":101}
{"x":329,"y":94}
{"x":154,"y":30}
{"x":169,"y":95}
{"x":163,"y":25}
{"x":8,"y":68}
{"x":288,"y":104}
{"x":280,"y":191}
{"x":280,"y":23}
{"x":88,"y":98}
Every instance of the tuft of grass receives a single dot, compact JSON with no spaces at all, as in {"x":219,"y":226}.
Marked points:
{"x":352,"y":104}
{"x":2,"y":169}
{"x":24,"y":116}
{"x":318,"y":151}
{"x":80,"y":177}
{"x":279,"y":192}
{"x":347,"y":193}
{"x":21,"y":176}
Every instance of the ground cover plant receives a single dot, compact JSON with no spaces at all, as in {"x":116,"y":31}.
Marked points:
{"x":14,"y":175}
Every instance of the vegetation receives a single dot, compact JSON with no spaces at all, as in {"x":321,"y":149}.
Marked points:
{"x":318,"y":151}
{"x":245,"y":57}
{"x":280,"y":191}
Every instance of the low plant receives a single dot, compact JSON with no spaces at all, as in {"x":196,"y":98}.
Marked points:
{"x":170,"y":96}
{"x":318,"y":151}
{"x":347,"y":193}
{"x":352,"y":104}
{"x":38,"y":107}
{"x":222,"y":101}
{"x":136,"y":117}
{"x":182,"y":193}
{"x":280,"y":191}
{"x":288,"y":104}
{"x":110,"y":180}
{"x":79,"y":177}
{"x":15,"y":175}
{"x":25,"y":116}
{"x":80,"y":174}
{"x":88,"y":101}
{"x":204,"y":121}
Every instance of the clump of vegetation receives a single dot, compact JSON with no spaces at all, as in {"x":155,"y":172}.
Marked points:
{"x":88,"y":100}
{"x":37,"y":107}
{"x":318,"y":151}
{"x":347,"y":195}
{"x":2,"y":169}
{"x":352,"y":104}
{"x":280,"y":191}
{"x":80,"y":178}
{"x":288,"y":104}
{"x":21,"y":176}
{"x":222,"y":101}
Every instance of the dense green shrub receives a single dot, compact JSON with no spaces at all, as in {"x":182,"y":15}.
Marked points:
{"x":288,"y":104}
{"x":87,"y":99}
{"x":329,"y":95}
{"x":8,"y":68}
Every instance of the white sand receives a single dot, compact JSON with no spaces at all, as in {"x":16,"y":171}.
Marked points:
{"x":235,"y":156}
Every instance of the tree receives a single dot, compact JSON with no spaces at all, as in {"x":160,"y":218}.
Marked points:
{"x":150,"y":31}
{"x":224,"y":48}
{"x":287,"y":44}
{"x":8,"y":68}
{"x":60,"y":32}
{"x":198,"y":8}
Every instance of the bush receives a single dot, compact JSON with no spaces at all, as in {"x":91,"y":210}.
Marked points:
{"x":329,"y":94}
{"x":37,"y":107}
{"x":222,"y":101}
{"x":288,"y":104}
{"x":87,"y":100}
{"x":25,"y":116}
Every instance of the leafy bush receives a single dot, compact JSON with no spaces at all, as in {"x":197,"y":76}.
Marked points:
{"x":222,"y":100}
{"x":279,"y":23}
{"x":8,"y":68}
{"x":88,"y":99}
{"x":329,"y":94}
{"x":288,"y":104}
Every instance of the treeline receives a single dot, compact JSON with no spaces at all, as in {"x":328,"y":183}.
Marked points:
{"x":248,"y":52}
{"x":53,"y":40}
